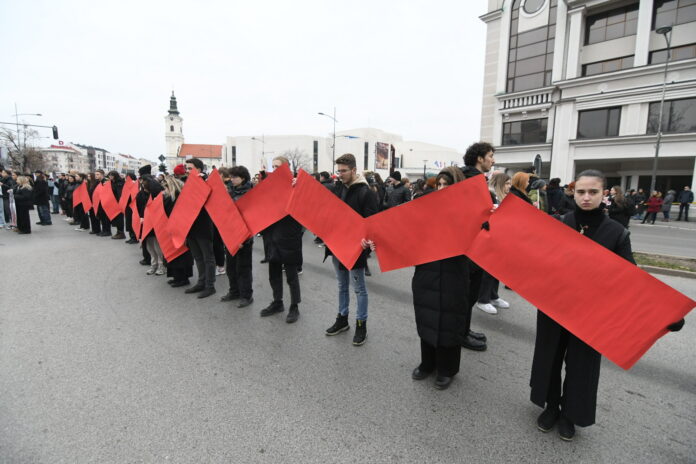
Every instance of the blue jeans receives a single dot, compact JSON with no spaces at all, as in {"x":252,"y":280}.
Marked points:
{"x":44,"y":213}
{"x":357,"y":279}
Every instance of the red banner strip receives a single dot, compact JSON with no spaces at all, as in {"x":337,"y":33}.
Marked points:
{"x":265,"y":204}
{"x":225,"y":215}
{"x":108,"y":201}
{"x":96,"y":197}
{"x":135,"y":219}
{"x":188,"y":205}
{"x":164,"y":238}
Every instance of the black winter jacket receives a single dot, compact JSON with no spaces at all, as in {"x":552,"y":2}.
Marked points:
{"x":283,"y":241}
{"x":24,"y":197}
{"x":41,"y":195}
{"x":399,"y":195}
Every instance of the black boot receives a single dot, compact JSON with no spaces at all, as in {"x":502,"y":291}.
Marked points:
{"x":341,"y":325}
{"x":293,"y":314}
{"x":548,"y":418}
{"x":566,"y":429}
{"x":360,"y":336}
{"x":273,"y":308}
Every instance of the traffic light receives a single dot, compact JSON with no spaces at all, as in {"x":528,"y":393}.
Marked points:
{"x":55,"y":132}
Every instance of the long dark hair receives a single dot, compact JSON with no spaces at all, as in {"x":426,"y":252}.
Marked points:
{"x":619,"y":197}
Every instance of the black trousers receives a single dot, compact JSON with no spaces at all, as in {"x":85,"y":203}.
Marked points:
{"x":239,"y":271}
{"x":118,"y":223}
{"x":104,"y":221}
{"x":475,"y":276}
{"x":650,"y":217}
{"x":275,"y":277}
{"x":489,"y":288}
{"x":129,"y":223}
{"x":202,"y":251}
{"x":94,"y":220}
{"x":443,"y":359}
{"x":218,"y":248}
{"x":683,"y":208}
{"x":23,"y":220}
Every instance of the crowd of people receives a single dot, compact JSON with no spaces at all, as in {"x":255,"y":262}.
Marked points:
{"x":444,"y":291}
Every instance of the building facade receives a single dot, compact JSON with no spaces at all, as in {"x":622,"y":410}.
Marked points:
{"x":579,"y":82}
{"x":173,"y":134}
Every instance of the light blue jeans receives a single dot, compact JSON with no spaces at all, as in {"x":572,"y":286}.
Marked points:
{"x":356,"y":277}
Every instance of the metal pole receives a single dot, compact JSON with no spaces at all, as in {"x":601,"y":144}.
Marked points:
{"x":334,"y":140}
{"x":19,"y":148}
{"x":653,"y":179}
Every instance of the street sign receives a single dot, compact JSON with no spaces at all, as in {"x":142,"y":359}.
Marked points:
{"x":162,"y":158}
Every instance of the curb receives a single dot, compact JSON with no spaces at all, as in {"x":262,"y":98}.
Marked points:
{"x":669,"y":272}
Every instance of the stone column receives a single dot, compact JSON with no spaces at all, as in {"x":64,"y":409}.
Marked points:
{"x":643,"y":34}
{"x":575,"y":17}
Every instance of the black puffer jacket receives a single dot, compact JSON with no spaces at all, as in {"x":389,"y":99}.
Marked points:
{"x":283,"y":241}
{"x":24,"y":197}
{"x":399,"y":195}
{"x":237,"y":192}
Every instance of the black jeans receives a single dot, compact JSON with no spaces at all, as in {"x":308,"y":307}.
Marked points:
{"x":202,"y":251}
{"x":239,"y":271}
{"x":218,"y":249}
{"x":444,"y":359}
{"x":683,"y":208}
{"x":94,"y":220}
{"x":649,"y":217}
{"x":275,"y":277}
{"x":489,"y":288}
{"x":118,"y":223}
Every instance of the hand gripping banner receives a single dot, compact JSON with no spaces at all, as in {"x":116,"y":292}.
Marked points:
{"x":108,"y":201}
{"x":164,"y":238}
{"x":265,"y":204}
{"x":225,"y":215}
{"x":187,"y":207}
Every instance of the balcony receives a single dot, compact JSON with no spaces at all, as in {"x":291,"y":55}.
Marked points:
{"x":527,"y":100}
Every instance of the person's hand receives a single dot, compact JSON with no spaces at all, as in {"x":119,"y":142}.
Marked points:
{"x":294,"y":181}
{"x":368,"y":244}
{"x":676,"y":326}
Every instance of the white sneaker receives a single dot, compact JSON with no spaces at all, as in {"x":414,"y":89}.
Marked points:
{"x":79,"y":229}
{"x":161,"y":271}
{"x":500,"y":303}
{"x":151,"y":271}
{"x":487,"y":308}
{"x":220,"y":270}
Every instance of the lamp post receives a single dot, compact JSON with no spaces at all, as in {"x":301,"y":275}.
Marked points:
{"x":425,"y":163}
{"x":665,"y":30}
{"x":333,"y":155}
{"x":263,"y":148}
{"x":17,"y":115}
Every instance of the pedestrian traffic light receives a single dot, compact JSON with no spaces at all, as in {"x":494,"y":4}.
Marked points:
{"x":55,"y":132}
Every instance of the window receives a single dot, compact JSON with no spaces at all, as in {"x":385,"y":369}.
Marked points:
{"x":593,"y":124}
{"x":532,"y":6}
{"x":530,"y":57}
{"x":525,"y":132}
{"x":171,"y":128}
{"x":234,"y":155}
{"x":607,"y":66}
{"x":677,"y":116}
{"x":678,"y":53}
{"x":315,"y":155}
{"x":613,"y":24}
{"x":673,"y":12}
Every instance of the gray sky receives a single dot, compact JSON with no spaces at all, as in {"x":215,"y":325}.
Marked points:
{"x":103,"y":71}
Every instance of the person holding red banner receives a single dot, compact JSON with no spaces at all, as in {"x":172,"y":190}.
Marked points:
{"x":81,"y":217}
{"x":574,"y":402}
{"x":283,"y":249}
{"x":354,"y":190}
{"x":157,"y":265}
{"x":93,"y":218}
{"x":128,"y":214}
{"x":104,"y":223}
{"x":179,"y":269}
{"x":141,"y":199}
{"x":117,"y":188}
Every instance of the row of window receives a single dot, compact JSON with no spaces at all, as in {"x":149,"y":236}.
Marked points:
{"x":678,"y":116}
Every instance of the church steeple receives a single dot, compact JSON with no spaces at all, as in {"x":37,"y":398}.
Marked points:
{"x":172,"y":105}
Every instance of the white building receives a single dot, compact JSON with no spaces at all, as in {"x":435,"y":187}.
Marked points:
{"x":579,"y":82}
{"x":64,"y":158}
{"x":174,"y":134}
{"x":98,"y":158}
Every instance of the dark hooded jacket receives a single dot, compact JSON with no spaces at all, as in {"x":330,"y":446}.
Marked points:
{"x":41,"y":193}
{"x":399,"y":195}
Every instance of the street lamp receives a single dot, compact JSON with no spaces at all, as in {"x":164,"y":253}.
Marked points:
{"x":17,"y":115}
{"x":664,"y":30}
{"x":425,"y":163}
{"x":333,"y":156}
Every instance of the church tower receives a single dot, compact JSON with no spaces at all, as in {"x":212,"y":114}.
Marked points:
{"x":174,"y":133}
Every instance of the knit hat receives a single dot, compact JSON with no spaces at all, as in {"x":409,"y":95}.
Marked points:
{"x":179,"y":170}
{"x":147,"y":169}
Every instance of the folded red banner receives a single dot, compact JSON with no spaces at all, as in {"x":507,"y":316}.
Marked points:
{"x":265,"y":204}
{"x":436,"y":226}
{"x":148,"y":220}
{"x":108,"y":201}
{"x":225,"y":215}
{"x":187,"y":207}
{"x":322,"y":212}
{"x":164,"y":237}
{"x":130,"y":188}
{"x":96,"y":198}
{"x":86,"y":202}
{"x":612,"y":305}
{"x":77,"y":194}
{"x":135,"y":219}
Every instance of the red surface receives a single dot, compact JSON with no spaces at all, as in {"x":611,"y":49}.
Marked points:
{"x":164,"y":237}
{"x":188,"y":205}
{"x":265,"y":204}
{"x":130,"y":189}
{"x":96,"y":197}
{"x":135,"y":219}
{"x":224,"y":213}
{"x":148,"y":220}
{"x":108,"y":201}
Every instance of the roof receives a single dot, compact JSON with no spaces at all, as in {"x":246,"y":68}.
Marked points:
{"x":200,"y":151}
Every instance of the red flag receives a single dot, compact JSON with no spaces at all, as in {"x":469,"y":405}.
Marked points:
{"x":436,"y":226}
{"x":224,"y":213}
{"x":619,"y":310}
{"x":130,"y":189}
{"x":135,"y":219}
{"x":164,"y":238}
{"x":188,"y":205}
{"x":96,"y":197}
{"x":108,"y":201}
{"x":77,"y":195}
{"x":148,"y":220}
{"x":265,"y":204}
{"x":322,"y":212}
{"x":86,"y":202}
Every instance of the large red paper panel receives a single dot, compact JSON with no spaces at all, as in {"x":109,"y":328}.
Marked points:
{"x":135,"y":219}
{"x":108,"y":201}
{"x":436,"y":226}
{"x":610,"y":304}
{"x":86,"y":202}
{"x":77,"y":194}
{"x":188,"y":205}
{"x":130,"y":188}
{"x":224,"y":213}
{"x":164,"y":238}
{"x":96,"y":198}
{"x":148,"y":220}
{"x":322,"y":212}
{"x":265,"y":204}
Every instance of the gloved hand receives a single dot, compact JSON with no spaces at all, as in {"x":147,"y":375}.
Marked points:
{"x":676,"y":326}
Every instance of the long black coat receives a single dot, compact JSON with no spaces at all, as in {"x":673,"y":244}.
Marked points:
{"x":582,"y":361}
{"x":24,"y":198}
{"x":41,"y":195}
{"x":441,"y":301}
{"x":283,"y":241}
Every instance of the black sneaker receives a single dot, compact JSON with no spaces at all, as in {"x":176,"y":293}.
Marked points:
{"x":206,"y":293}
{"x":566,"y":429}
{"x":548,"y":419}
{"x":471,"y":343}
{"x":244,"y":302}
{"x":143,"y":261}
{"x":341,"y":325}
{"x":477,"y":335}
{"x":360,"y":336}
{"x":229,"y":296}
{"x":293,"y":314}
{"x":273,"y":308}
{"x":420,"y":374}
{"x":195,"y":289}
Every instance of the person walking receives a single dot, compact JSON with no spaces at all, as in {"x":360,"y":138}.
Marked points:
{"x":24,"y":201}
{"x":654,"y":205}
{"x":685,"y":198}
{"x":353,"y":190}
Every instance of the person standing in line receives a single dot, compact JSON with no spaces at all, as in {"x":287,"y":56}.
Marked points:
{"x":23,"y":197}
{"x":239,"y":269}
{"x":283,"y":247}
{"x":179,"y":269}
{"x":104,"y":223}
{"x":53,"y":193}
{"x":399,"y":194}
{"x":353,"y":190}
{"x":685,"y":198}
{"x":654,"y":204}
{"x":157,"y":264}
{"x":93,"y":218}
{"x":117,"y":189}
{"x":68,"y":198}
{"x":128,"y":214}
{"x":667,"y":204}
{"x":200,"y":241}
{"x":620,"y":208}
{"x":42,"y":199}
{"x":141,"y":199}
{"x":574,"y":401}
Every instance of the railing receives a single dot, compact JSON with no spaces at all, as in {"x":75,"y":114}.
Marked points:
{"x":525,"y":100}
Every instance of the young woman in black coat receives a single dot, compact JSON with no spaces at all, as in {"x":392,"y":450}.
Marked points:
{"x":574,"y":401}
{"x":440,"y":301}
{"x":621,"y":208}
{"x":180,"y":269}
{"x":24,"y":201}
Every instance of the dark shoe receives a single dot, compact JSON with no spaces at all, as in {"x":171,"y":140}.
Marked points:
{"x":317,"y":240}
{"x":131,"y":241}
{"x":104,"y":234}
{"x":244,"y":302}
{"x":273,"y":308}
{"x":229,"y":296}
{"x":442,"y":382}
{"x":367,"y":271}
{"x":143,"y":261}
{"x":23,"y":232}
{"x":119,"y":236}
{"x":293,"y":314}
{"x":566,"y":429}
{"x":477,"y":336}
{"x":180,"y":283}
{"x":360,"y":336}
{"x":470,"y":343}
{"x":420,"y":374}
{"x":97,"y":233}
{"x":171,"y":281}
{"x":206,"y":293}
{"x":41,"y":223}
{"x":195,"y":289}
{"x":548,"y":419}
{"x":341,"y":325}
{"x":299,"y":270}
{"x":264,"y":261}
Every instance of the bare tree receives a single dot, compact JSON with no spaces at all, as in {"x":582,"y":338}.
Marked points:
{"x":23,"y":155}
{"x":298,"y":159}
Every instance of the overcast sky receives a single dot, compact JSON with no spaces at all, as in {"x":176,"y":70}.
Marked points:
{"x":103,"y":71}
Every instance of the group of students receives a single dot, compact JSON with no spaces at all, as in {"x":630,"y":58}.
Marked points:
{"x":444,"y":291}
{"x":21,"y":193}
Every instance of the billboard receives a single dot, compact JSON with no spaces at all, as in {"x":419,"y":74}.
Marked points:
{"x":381,"y":155}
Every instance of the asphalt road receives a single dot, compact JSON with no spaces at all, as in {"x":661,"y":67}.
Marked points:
{"x":665,"y":238}
{"x":101,"y":363}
